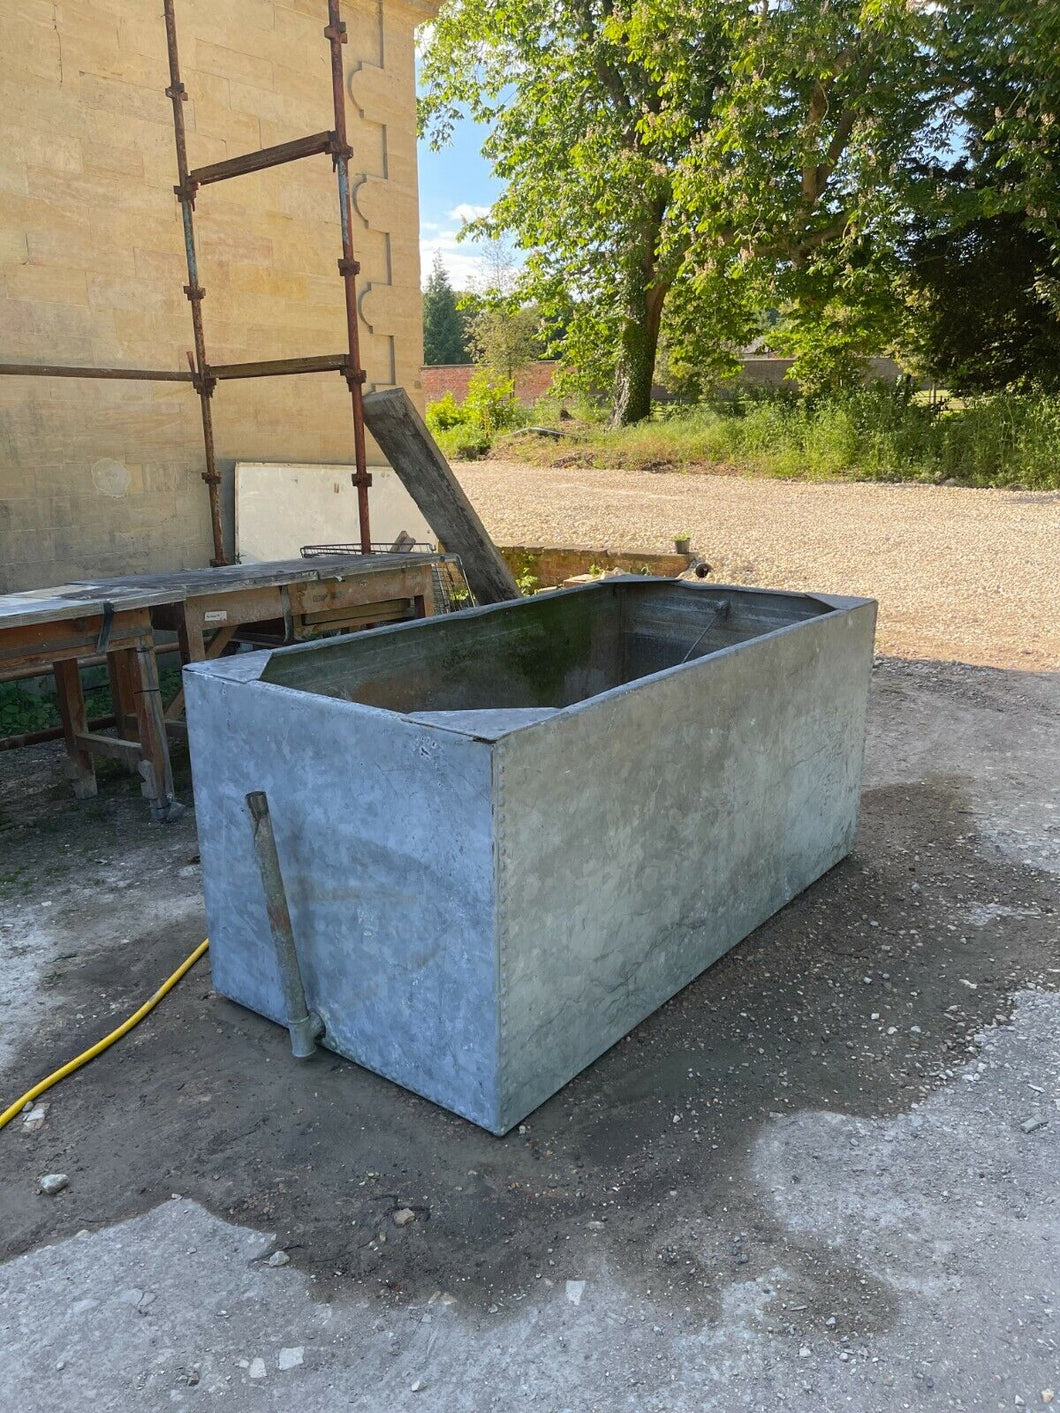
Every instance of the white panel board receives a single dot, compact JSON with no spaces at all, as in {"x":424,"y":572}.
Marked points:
{"x":281,"y":506}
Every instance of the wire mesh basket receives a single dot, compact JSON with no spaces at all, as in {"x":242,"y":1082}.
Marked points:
{"x":451,"y":591}
{"x":401,"y":546}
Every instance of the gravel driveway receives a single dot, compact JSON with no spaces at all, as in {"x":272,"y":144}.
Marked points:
{"x":960,"y":574}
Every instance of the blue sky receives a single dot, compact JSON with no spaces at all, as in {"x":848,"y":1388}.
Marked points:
{"x":455,"y":185}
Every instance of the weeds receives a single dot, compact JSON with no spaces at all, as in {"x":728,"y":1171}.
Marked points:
{"x":877,"y":434}
{"x":466,"y":430}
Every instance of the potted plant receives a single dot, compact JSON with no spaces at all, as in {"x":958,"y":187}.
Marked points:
{"x":683,"y":543}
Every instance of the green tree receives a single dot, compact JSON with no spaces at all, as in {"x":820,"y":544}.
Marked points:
{"x":587,"y":177}
{"x":821,"y":147}
{"x":980,"y":316}
{"x":1010,"y":107}
{"x":443,"y":324}
{"x":672,"y":167}
{"x":680,"y":164}
{"x":502,"y":333}
{"x":982,"y":258}
{"x":503,"y":340}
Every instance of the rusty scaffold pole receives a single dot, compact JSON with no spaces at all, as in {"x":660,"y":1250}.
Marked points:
{"x":349,"y":268}
{"x":204,"y":384}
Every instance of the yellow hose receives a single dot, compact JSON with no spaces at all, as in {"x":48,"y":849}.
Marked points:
{"x":107,"y":1041}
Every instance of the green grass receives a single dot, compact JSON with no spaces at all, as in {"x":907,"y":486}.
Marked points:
{"x":877,"y":435}
{"x":22,"y":711}
{"x":464,"y":443}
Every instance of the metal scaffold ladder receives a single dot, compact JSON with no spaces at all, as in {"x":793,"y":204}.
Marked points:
{"x":204,"y":376}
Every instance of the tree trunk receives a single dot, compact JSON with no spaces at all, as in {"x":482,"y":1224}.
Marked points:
{"x":638,"y":345}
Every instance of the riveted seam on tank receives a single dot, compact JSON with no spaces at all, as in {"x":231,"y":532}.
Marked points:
{"x":501,"y":924}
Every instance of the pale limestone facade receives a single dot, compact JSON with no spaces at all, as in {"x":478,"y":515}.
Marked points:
{"x":105,"y":477}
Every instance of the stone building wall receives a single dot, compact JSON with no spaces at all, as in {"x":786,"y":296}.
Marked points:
{"x":105,"y":477}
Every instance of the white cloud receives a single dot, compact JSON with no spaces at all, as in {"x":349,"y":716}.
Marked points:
{"x":463,"y":260}
{"x":471,"y":264}
{"x":467,"y":212}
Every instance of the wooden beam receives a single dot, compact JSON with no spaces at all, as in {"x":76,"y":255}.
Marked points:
{"x":217,"y":645}
{"x":385,"y":611}
{"x":128,"y":752}
{"x":413,"y":453}
{"x":75,"y":724}
{"x":155,"y":768}
{"x":123,"y":696}
{"x":280,"y":367}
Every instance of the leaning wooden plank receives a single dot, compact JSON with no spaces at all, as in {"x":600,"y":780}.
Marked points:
{"x":413,"y":453}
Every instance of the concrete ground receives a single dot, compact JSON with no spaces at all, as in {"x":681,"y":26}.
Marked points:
{"x":823,"y":1177}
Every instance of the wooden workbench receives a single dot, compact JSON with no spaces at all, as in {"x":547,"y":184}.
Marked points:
{"x":118,"y":619}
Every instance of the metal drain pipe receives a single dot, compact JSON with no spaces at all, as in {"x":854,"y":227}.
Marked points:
{"x":305,"y":1026}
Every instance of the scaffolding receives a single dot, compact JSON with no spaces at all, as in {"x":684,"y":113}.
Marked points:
{"x":204,"y":376}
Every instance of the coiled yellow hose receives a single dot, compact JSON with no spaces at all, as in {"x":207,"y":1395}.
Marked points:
{"x":107,"y":1041}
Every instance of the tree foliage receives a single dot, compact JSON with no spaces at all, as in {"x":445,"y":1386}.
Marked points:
{"x":503,"y":334}
{"x":795,"y":192}
{"x":1010,"y":106}
{"x":444,"y":331}
{"x":981,"y":258}
{"x":503,"y":340}
{"x":587,"y":188}
{"x":674,"y":167}
{"x":979,"y":321}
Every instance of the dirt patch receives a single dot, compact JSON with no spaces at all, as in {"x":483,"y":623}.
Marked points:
{"x":582,"y":459}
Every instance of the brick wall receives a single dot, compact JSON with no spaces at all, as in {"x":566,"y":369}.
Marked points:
{"x":536,"y":380}
{"x":530,"y":384}
{"x":104,"y":477}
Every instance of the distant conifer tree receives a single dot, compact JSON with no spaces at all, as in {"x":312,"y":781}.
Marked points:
{"x":443,"y":323}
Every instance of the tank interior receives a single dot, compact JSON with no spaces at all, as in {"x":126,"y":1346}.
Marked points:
{"x":548,"y":651}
